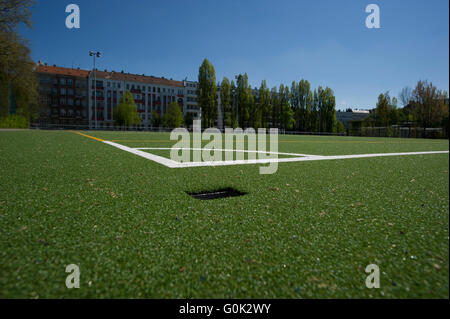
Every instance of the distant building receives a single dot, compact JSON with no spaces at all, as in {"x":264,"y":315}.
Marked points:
{"x":192,"y":109}
{"x":63,"y":95}
{"x":351,"y":115}
{"x":67,"y":95}
{"x":150,"y":94}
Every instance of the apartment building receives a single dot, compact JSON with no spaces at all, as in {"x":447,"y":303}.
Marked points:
{"x":151,"y":94}
{"x":82,"y":97}
{"x":192,"y":109}
{"x":63,"y":95}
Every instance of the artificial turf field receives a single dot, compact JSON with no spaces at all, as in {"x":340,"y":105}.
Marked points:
{"x":307,"y":231}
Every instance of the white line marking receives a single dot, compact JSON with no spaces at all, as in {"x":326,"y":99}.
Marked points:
{"x":304,"y":157}
{"x":221,"y":149}
{"x":159,"y":159}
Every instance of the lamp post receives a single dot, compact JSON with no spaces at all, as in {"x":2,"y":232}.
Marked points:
{"x":237,"y":99}
{"x":95,"y":55}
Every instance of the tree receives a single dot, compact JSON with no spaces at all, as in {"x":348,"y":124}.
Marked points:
{"x":394,"y":117}
{"x":233,"y":106}
{"x":243,"y":100}
{"x":321,"y":108}
{"x":264,"y":104}
{"x":287,"y":117}
{"x":429,"y":105}
{"x":286,"y":113}
{"x":314,"y":118}
{"x":276,"y":111}
{"x":18,"y":82}
{"x":156,"y":119}
{"x":254,"y":117}
{"x":405,"y":95}
{"x":225,"y":101}
{"x":330,"y":106}
{"x":304,"y":110}
{"x":14,"y":12}
{"x":174,"y":116}
{"x":207,"y":93}
{"x":340,"y":128}
{"x":125,"y":114}
{"x":383,"y":110}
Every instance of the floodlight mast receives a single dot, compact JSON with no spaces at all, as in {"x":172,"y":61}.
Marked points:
{"x":95,"y":55}
{"x":237,"y":99}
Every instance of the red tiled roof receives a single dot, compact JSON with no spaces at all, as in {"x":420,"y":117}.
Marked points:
{"x":61,"y":71}
{"x":118,"y":76}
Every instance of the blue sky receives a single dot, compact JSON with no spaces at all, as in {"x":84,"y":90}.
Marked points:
{"x":323,"y":41}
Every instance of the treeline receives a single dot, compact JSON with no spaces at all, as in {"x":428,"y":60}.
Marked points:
{"x":425,"y":106}
{"x":18,"y":82}
{"x":297,"y":107}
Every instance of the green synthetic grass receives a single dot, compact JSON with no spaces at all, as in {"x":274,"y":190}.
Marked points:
{"x":307,"y":231}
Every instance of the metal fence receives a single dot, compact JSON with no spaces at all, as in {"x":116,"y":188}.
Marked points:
{"x":400,"y":132}
{"x":394,"y":131}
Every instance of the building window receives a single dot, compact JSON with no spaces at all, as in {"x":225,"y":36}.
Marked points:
{"x":70,"y":101}
{"x":128,"y":86}
{"x":63,"y":91}
{"x":62,"y":81}
{"x":69,"y":81}
{"x":69,"y":91}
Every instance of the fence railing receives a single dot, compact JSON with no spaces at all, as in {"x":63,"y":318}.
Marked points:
{"x":398,"y":132}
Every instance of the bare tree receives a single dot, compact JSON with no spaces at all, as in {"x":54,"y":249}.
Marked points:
{"x":405,"y":95}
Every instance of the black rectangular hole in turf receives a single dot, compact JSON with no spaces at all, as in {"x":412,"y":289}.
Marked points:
{"x":219,"y":193}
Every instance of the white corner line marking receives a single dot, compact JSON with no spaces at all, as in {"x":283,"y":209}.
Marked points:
{"x":222,"y":150}
{"x":303,"y":157}
{"x":159,"y":159}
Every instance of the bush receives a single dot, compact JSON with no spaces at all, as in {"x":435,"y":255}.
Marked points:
{"x":14,"y":121}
